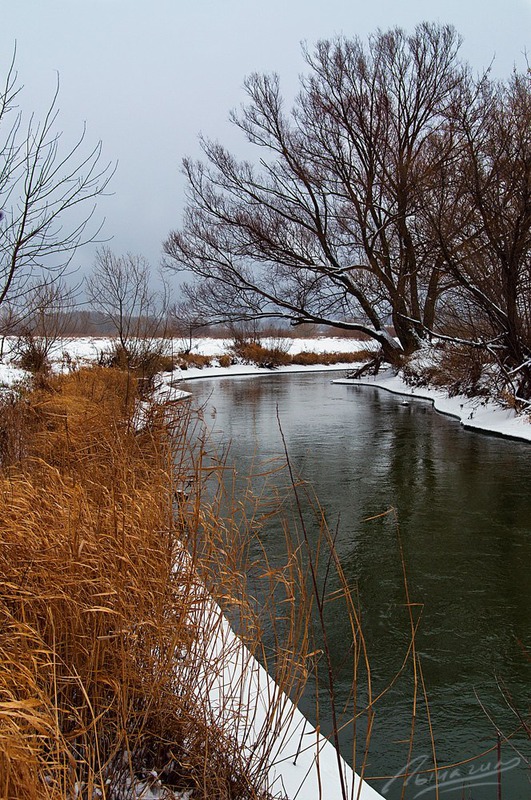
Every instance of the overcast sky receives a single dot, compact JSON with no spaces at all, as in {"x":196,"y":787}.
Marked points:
{"x":148,"y":77}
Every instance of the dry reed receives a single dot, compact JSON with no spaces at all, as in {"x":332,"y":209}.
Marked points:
{"x":97,"y":604}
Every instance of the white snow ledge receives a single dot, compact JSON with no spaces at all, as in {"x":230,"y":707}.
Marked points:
{"x":475,"y":414}
{"x":301,"y":763}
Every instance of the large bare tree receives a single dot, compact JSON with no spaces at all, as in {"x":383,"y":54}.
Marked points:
{"x":328,"y":225}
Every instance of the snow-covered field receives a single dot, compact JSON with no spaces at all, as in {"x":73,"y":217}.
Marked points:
{"x":84,"y":350}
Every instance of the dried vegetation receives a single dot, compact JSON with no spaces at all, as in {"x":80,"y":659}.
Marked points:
{"x":119,"y":546}
{"x":96,"y":602}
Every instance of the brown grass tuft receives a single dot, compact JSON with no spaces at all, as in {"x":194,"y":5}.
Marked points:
{"x":186,"y":360}
{"x":310,"y":359}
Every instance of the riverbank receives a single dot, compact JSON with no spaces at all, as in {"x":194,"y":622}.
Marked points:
{"x":474,"y":413}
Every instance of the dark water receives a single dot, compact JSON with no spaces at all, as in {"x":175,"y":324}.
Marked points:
{"x":463,"y":505}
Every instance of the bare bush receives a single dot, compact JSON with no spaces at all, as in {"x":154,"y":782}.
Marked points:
{"x":120,"y":288}
{"x":42,"y":323}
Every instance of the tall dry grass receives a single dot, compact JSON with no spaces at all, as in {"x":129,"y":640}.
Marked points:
{"x":98,"y":603}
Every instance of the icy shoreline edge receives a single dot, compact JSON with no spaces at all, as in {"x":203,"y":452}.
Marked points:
{"x":475,"y":414}
{"x":305,"y":765}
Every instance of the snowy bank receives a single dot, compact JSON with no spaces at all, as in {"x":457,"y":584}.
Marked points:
{"x":89,"y":348}
{"x":301,"y":763}
{"x":72,"y":352}
{"x":242,"y":370}
{"x":474,"y":413}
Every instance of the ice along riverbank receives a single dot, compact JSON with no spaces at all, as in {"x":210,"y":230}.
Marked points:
{"x":474,"y":413}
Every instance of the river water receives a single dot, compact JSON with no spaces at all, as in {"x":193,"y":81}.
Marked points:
{"x":462,"y":513}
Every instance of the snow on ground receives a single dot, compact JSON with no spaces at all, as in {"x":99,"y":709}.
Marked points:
{"x":302,"y":764}
{"x":10,"y":375}
{"x":87,"y":349}
{"x":84,"y":350}
{"x":319,"y":344}
{"x":238,"y":370}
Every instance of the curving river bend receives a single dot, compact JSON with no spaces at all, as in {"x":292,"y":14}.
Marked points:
{"x":463,"y":503}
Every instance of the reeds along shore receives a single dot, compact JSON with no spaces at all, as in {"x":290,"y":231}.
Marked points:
{"x":111,"y":536}
{"x":99,"y":692}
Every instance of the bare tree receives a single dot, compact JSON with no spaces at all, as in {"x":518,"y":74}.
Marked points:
{"x":329,"y":228}
{"x":120,"y":287}
{"x":186,"y":324}
{"x":483,"y":223}
{"x":47,"y":196}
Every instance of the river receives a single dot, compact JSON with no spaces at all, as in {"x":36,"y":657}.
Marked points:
{"x":462,"y":512}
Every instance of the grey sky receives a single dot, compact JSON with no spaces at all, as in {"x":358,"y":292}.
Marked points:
{"x":149,"y":76}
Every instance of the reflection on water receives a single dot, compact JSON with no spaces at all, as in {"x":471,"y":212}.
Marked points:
{"x":463,"y":505}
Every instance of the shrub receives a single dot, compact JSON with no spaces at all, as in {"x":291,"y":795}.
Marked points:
{"x":459,"y":368}
{"x":307,"y":358}
{"x":166,"y":363}
{"x":144,"y":359}
{"x":251,"y":352}
{"x":31,"y":354}
{"x":186,"y":360}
